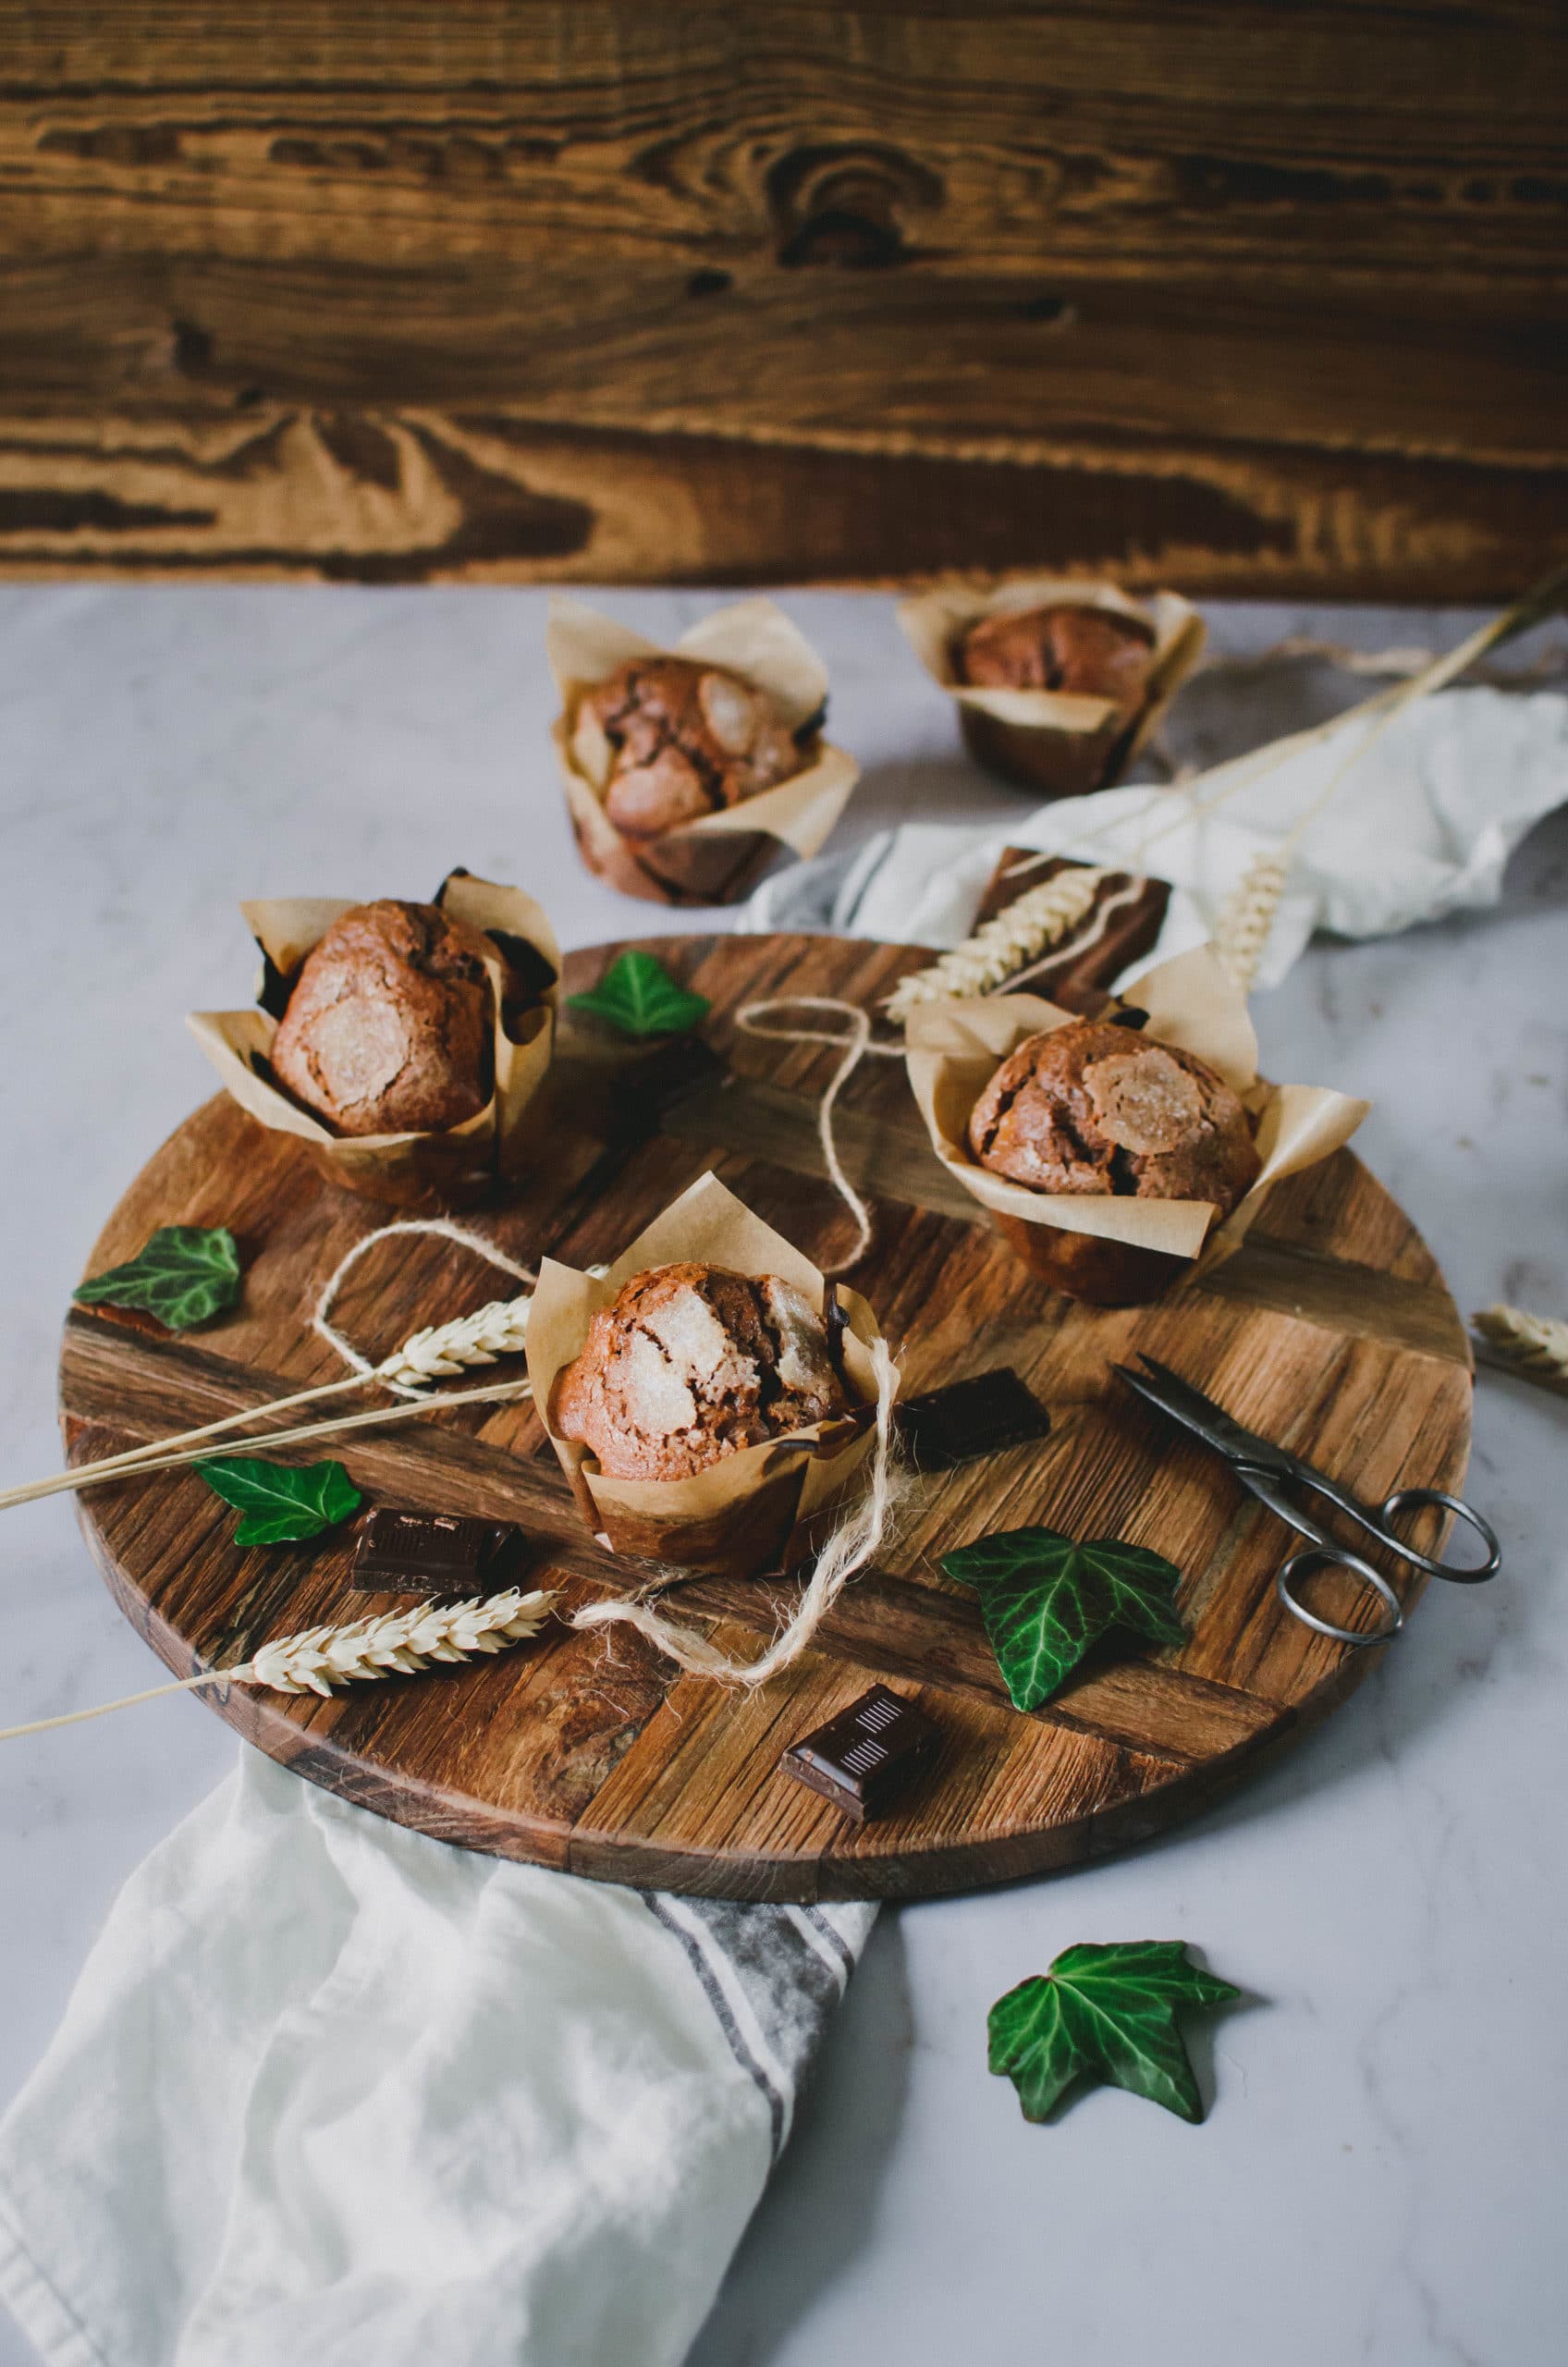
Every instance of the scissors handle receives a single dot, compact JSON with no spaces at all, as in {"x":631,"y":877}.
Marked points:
{"x":1437,"y":1500}
{"x":1339,"y":1557}
{"x":1323,"y":1550}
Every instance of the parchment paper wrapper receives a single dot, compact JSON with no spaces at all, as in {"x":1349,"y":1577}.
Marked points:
{"x":404,"y":1171}
{"x":1116,"y":1251}
{"x":745,"y":1514}
{"x":1053,"y":743}
{"x":717,"y":859}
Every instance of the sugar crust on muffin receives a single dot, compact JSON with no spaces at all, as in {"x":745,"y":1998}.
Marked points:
{"x":692,"y":1362}
{"x":389,"y":1026}
{"x":665,"y":741}
{"x":1095,"y":652}
{"x":1093,"y":1108}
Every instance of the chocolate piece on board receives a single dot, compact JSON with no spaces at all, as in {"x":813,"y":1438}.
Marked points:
{"x":970,"y":1419}
{"x":433,"y":1553}
{"x":1122,"y":924}
{"x":868,"y":1756}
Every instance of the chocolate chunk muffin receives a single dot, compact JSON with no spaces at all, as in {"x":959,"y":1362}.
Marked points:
{"x":665,"y":741}
{"x":1097,"y":653}
{"x":1089,"y":1107}
{"x":690,"y":1363}
{"x":389,"y":1027}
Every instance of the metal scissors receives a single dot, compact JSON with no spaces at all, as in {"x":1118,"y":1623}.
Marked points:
{"x":1276,"y":1477}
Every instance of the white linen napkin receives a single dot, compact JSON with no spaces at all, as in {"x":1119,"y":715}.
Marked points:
{"x":1423,"y":825}
{"x":331,"y":2091}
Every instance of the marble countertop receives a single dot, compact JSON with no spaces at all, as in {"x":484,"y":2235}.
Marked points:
{"x":1383,"y":2174}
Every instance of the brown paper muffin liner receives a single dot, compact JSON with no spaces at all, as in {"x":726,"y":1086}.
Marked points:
{"x":1053,"y":743}
{"x":718,"y":859}
{"x":746,"y":1513}
{"x":410,"y":1170}
{"x":1119,"y":1251}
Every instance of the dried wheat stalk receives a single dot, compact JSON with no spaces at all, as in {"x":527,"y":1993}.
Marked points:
{"x":1242,"y":930}
{"x":440,"y":1349}
{"x":498,"y":1330}
{"x":1535,"y":1346}
{"x":1041,"y":918}
{"x":1544,"y":599}
{"x":399,"y":1643}
{"x":318,"y":1659}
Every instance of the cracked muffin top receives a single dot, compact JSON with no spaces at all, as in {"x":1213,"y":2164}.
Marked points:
{"x":1089,"y":1107}
{"x":665,"y":741}
{"x":1097,"y":653}
{"x":691,"y":1362}
{"x":388,"y":1028}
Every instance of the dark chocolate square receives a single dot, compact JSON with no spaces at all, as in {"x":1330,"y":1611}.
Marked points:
{"x":970,"y":1419}
{"x":868,"y":1756}
{"x":433,"y":1553}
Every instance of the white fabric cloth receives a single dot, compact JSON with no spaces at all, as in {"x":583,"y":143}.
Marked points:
{"x":1422,"y":825}
{"x":334,"y":2092}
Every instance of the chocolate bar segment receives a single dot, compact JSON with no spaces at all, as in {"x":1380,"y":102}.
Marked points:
{"x":1122,"y":924}
{"x":970,"y":1419}
{"x":433,"y":1553}
{"x":868,"y":1756}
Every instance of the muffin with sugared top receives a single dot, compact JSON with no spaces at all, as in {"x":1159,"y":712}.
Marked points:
{"x":1091,"y":1107}
{"x":691,"y":1363}
{"x":389,"y":1026}
{"x":667,"y":741}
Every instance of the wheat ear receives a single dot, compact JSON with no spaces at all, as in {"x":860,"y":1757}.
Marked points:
{"x":1242,"y":930}
{"x":318,"y":1659}
{"x":1040,"y":918}
{"x":1534,"y":1346}
{"x":434,"y":1354}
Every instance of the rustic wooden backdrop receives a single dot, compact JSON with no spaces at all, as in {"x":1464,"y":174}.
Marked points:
{"x":1244,"y":295}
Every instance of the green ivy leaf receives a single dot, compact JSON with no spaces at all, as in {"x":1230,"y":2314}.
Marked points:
{"x":638,"y":997}
{"x":1047,"y":1600}
{"x":183,"y":1274}
{"x":280,"y":1502}
{"x":1108,"y":2014}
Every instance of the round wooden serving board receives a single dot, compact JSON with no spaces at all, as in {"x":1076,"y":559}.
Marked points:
{"x":1331,"y":1331}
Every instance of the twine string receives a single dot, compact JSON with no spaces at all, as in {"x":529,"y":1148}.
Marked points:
{"x":856,"y":1043}
{"x":447,"y":1230}
{"x":851,"y":1547}
{"x":159,"y":1454}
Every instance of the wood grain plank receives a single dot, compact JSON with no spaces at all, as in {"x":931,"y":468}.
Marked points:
{"x":1248,"y":299}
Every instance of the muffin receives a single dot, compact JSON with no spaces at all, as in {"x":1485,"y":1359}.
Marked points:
{"x":1093,"y":653}
{"x":1093,"y":1108}
{"x":665,"y":741}
{"x":692,"y":1362}
{"x":389,"y":1026}
{"x":1062,"y":648}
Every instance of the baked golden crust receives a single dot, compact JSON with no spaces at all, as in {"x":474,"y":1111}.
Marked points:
{"x":1097,"y":653}
{"x":388,"y":1028}
{"x":667,"y":741}
{"x":690,"y":1363}
{"x":1093,"y":1108}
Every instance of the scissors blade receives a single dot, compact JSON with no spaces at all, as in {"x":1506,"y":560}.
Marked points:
{"x":1158,"y":1386}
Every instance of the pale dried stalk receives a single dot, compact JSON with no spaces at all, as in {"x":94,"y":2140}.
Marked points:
{"x":417,"y":1408}
{"x":1040,"y":918}
{"x":1246,"y":917}
{"x":1543,"y":599}
{"x":1535,"y":1346}
{"x":434,"y":1354}
{"x":498,"y":1330}
{"x":318,"y":1659}
{"x":398,"y":1643}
